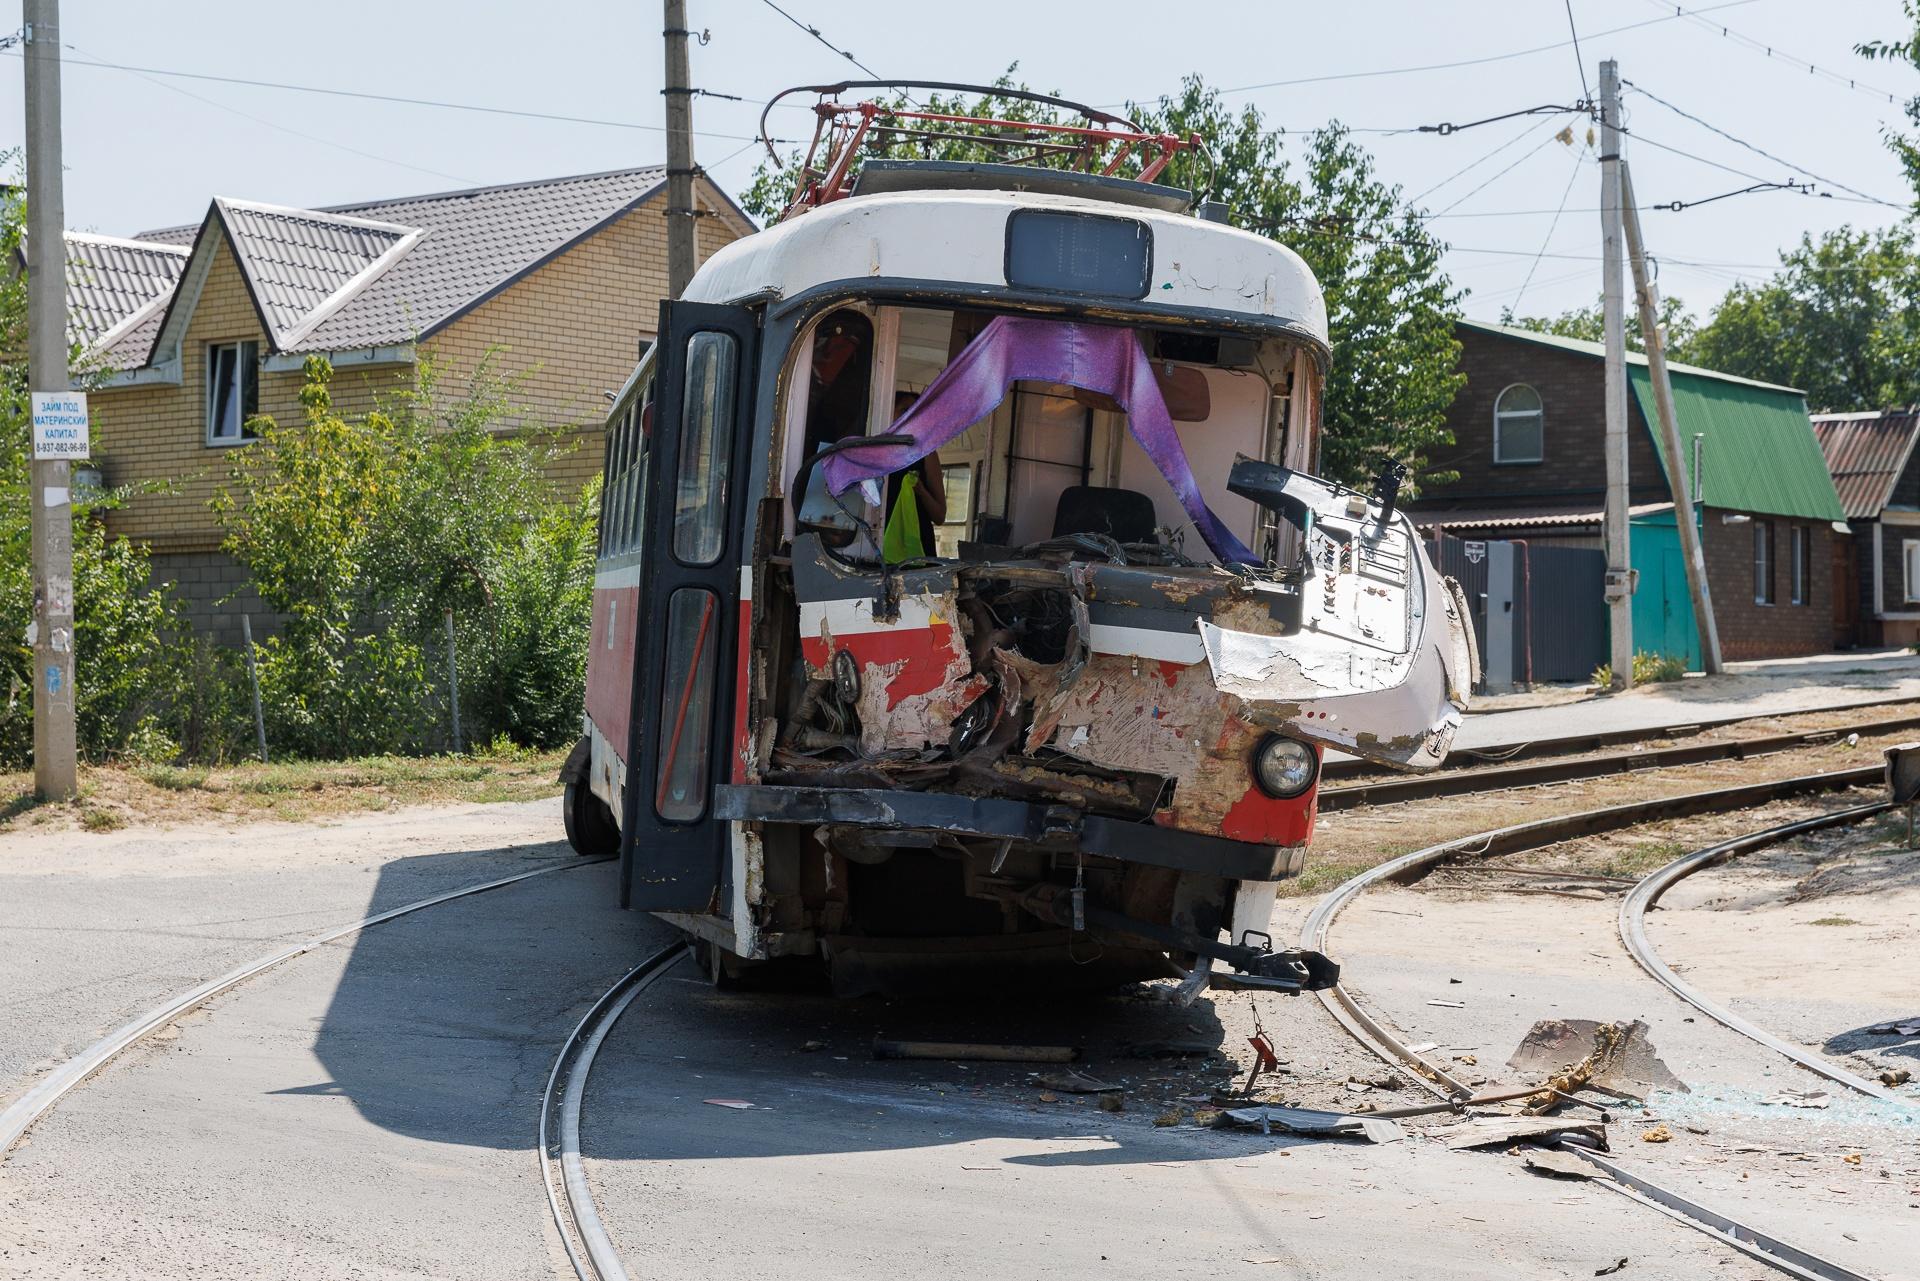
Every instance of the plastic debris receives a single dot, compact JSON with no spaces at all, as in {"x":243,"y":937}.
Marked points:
{"x":1268,"y":1118}
{"x":1801,"y":1098}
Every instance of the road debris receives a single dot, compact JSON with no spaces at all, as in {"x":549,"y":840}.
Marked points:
{"x":737,"y":1104}
{"x":1576,"y":1054}
{"x":1173,"y":1117}
{"x":1896,"y":1029}
{"x":1112,"y":1103}
{"x":885,"y":1049}
{"x":1072,"y":1082}
{"x":1658,"y":1134}
{"x":1559,"y":1165}
{"x":1611,"y":1268}
{"x":1267,"y":1118}
{"x":1801,"y":1098}
{"x":1895,"y":1076}
{"x":1449,"y":1005}
{"x":1500,"y":1131}
{"x":1171,"y":1049}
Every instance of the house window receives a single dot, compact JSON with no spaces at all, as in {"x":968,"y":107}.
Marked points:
{"x":1799,"y":576}
{"x":1763,"y":562}
{"x":1519,"y":426}
{"x":233,"y":391}
{"x":1910,"y":558}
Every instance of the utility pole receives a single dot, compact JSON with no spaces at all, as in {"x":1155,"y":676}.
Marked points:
{"x":50,"y":483}
{"x":1613,"y":312}
{"x":1648,"y":294}
{"x":680,"y":168}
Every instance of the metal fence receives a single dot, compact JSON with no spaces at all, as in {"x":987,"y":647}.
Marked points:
{"x":1538,"y":612}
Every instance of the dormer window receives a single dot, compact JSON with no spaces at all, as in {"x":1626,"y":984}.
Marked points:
{"x":233,"y":391}
{"x":1519,"y":426}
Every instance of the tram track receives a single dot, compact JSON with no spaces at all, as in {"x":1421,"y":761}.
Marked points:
{"x":562,"y":1167}
{"x":1384,"y":1043}
{"x":24,"y":1112}
{"x":1398,"y":790}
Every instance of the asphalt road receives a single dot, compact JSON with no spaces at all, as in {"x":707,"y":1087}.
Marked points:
{"x":369,"y":1110}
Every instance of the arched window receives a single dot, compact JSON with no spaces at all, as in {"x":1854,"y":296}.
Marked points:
{"x":1519,"y":426}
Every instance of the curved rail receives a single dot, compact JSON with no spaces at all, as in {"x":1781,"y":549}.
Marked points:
{"x":570,"y":1199}
{"x":20,"y":1116}
{"x":1389,"y":791}
{"x":1390,"y":1048}
{"x":1530,"y":835}
{"x":1633,"y":912}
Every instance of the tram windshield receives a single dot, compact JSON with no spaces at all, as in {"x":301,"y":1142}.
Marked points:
{"x":1023,"y":430}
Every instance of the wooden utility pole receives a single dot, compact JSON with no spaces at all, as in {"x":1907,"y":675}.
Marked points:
{"x":1648,"y":295}
{"x":680,"y":167}
{"x":50,"y":483}
{"x":1619,"y":587}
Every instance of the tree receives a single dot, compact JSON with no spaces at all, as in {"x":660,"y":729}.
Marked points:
{"x":1906,"y":52}
{"x":1586,"y":323}
{"x":1841,"y":321}
{"x":1390,"y":308}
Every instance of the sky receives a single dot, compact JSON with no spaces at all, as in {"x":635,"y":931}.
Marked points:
{"x":146,"y":150}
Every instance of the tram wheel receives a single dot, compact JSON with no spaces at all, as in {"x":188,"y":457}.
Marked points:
{"x":590,"y":826}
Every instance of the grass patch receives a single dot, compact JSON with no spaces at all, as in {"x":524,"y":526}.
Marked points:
{"x":114,"y":796}
{"x":95,"y":819}
{"x":1319,"y":876}
{"x":1639,"y":859}
{"x":1836,"y":920}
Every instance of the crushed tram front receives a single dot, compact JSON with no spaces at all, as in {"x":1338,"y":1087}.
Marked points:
{"x":1069,"y":702}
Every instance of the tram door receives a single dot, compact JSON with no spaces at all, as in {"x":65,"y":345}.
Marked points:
{"x":671,"y":847}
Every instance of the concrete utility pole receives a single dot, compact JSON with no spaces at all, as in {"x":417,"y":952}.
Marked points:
{"x":1613,"y":312}
{"x":1648,"y":294}
{"x":680,"y":167}
{"x":50,"y":485}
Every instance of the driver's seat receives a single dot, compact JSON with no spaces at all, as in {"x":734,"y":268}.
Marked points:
{"x":1124,"y":515}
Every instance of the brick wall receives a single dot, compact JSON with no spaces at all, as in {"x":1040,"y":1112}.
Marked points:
{"x":571,"y":329}
{"x":1572,"y":394}
{"x":213,"y":593}
{"x":1783,"y":629}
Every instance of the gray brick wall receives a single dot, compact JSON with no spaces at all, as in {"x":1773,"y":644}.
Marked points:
{"x":213,"y":593}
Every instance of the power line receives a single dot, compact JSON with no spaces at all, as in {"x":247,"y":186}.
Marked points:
{"x":1579,"y":62}
{"x":1469,"y":62}
{"x":287,"y":129}
{"x":395,"y":98}
{"x":1712,"y":128}
{"x":1472,"y":165}
{"x":1503,"y":173}
{"x":1770,"y":51}
{"x":815,"y":33}
{"x":1555,"y":224}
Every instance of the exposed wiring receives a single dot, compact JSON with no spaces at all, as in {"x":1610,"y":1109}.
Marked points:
{"x":1741,"y":142}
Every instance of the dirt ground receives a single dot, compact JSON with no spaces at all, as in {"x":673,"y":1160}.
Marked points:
{"x":166,"y":796}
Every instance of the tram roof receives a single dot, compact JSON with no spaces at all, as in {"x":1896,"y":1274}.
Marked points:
{"x":931,"y":238}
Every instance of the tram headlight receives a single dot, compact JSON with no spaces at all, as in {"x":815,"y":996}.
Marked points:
{"x":1284,"y":767}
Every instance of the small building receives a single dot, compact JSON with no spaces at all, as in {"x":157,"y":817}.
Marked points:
{"x":1870,"y":456}
{"x":193,"y":330}
{"x":1529,"y":434}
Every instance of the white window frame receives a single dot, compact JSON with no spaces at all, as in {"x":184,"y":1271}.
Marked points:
{"x":1763,"y":562}
{"x":1910,"y":563}
{"x":1538,"y":415}
{"x":1797,"y":581}
{"x":244,"y":350}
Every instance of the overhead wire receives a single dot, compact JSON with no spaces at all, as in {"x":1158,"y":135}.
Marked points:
{"x":1555,"y":224}
{"x":1524,"y":157}
{"x":1471,"y":165}
{"x":1644,"y":92}
{"x":1578,"y":60}
{"x":816,"y":34}
{"x":1772,"y":51}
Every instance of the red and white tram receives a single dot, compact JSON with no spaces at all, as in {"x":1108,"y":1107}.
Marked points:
{"x":964,"y":592}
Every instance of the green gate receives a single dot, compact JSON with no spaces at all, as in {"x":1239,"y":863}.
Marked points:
{"x":1662,"y":609}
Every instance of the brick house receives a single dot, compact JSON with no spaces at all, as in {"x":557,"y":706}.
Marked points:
{"x":1871,"y":458}
{"x":197,"y":328}
{"x":1529,"y":432}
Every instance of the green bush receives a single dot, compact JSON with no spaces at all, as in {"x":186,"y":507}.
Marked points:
{"x":1648,"y":669}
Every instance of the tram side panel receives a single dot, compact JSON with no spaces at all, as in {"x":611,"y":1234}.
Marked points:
{"x":610,"y":667}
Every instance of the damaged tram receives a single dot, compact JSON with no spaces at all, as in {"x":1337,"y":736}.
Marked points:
{"x":964,"y":592}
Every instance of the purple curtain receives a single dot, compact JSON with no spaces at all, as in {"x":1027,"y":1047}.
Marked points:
{"x":1095,"y":358}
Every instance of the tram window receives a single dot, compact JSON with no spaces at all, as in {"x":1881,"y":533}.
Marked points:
{"x":686,"y":712}
{"x":706,"y":417}
{"x":640,"y":440}
{"x":610,"y":508}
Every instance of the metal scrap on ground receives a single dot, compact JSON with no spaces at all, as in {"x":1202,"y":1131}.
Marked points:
{"x":1575,"y":1054}
{"x":1268,"y":1118}
{"x":1497,"y":1130}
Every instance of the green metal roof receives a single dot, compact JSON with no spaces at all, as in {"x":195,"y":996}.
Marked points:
{"x":1760,"y":453}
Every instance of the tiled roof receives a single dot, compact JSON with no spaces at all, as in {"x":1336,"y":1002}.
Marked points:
{"x":470,"y":245}
{"x":1866,"y":454}
{"x":297,"y":260}
{"x":110,"y":279}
